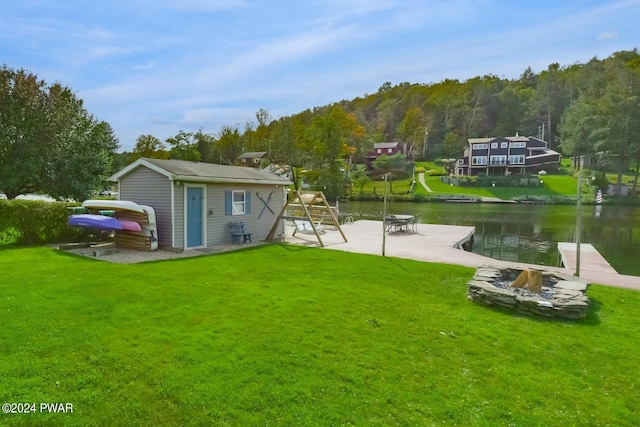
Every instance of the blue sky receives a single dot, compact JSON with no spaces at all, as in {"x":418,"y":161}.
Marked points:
{"x":157,"y":67}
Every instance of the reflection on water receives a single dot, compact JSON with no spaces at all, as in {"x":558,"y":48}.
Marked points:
{"x":528,"y":233}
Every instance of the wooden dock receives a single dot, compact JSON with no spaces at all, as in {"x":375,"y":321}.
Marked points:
{"x":590,"y":258}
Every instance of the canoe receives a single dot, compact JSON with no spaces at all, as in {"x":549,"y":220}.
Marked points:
{"x":129,"y":225}
{"x":116,"y":205}
{"x":151,"y":214}
{"x":100,"y":222}
{"x":150,"y":230}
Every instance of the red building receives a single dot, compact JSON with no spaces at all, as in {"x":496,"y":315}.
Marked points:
{"x":387,"y":149}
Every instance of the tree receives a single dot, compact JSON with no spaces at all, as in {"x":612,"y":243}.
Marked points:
{"x":228,"y":147}
{"x":604,"y":117}
{"x":360,"y":178}
{"x":328,"y":139}
{"x":412,"y":128}
{"x":183,"y":147}
{"x":550,"y":101}
{"x":204,"y":143}
{"x":390,"y":166}
{"x":150,"y":147}
{"x":49,"y":143}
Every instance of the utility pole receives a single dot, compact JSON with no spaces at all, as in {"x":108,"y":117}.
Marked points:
{"x":578,"y":223}
{"x":384,"y":215}
{"x":426,"y":141}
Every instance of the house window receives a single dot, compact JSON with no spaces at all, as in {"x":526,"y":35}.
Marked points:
{"x":518,"y":145}
{"x":498,"y":160}
{"x":480,"y":146}
{"x":504,"y":145}
{"x":238,"y":203}
{"x":379,"y":150}
{"x":494,"y":145}
{"x":479,"y":160}
{"x":389,"y":150}
{"x":461,"y":161}
{"x":516,"y":160}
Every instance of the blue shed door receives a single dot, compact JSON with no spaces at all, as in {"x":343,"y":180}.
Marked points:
{"x":194,"y":217}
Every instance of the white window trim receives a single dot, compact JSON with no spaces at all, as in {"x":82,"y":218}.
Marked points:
{"x":478,"y":160}
{"x":234,"y":204}
{"x":480,"y":146}
{"x":499,"y":160}
{"x":504,"y":145}
{"x":494,"y":145}
{"x":520,"y":159}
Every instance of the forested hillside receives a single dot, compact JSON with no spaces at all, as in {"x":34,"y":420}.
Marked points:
{"x":578,"y":108}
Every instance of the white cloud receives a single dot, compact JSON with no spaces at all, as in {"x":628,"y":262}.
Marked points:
{"x":607,"y":35}
{"x":146,"y":66}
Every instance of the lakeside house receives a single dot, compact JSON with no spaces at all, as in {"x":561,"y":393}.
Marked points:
{"x":506,"y":155}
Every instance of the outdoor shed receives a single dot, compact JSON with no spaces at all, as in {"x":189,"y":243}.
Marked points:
{"x":195,"y":202}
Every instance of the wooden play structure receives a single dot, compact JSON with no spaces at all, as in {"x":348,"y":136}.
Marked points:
{"x":309,"y":207}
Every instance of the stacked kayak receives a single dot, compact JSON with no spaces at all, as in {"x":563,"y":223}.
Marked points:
{"x":134,"y":225}
{"x":96,"y":222}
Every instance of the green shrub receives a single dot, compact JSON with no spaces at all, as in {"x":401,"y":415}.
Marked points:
{"x":33,"y":221}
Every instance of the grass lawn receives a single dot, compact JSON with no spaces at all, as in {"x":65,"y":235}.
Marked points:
{"x":553,"y":185}
{"x":290,"y":336}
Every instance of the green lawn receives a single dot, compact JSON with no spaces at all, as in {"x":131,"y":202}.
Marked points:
{"x":290,"y":336}
{"x":553,"y":185}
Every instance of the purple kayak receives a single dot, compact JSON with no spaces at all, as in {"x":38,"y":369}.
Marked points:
{"x":100,"y":222}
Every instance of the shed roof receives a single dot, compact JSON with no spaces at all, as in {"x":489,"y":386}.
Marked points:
{"x":385,"y":145}
{"x":182,"y":170}
{"x":253,"y":154}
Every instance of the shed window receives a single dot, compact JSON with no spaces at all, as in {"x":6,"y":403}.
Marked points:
{"x":237,"y":202}
{"x":389,"y":150}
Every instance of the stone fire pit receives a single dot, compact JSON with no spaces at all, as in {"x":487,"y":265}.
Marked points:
{"x":537,"y":292}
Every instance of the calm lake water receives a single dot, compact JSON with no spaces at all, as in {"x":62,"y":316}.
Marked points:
{"x":528,"y":233}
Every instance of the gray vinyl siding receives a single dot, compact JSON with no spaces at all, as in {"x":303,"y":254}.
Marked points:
{"x":147,"y":187}
{"x":178,"y":215}
{"x":218,"y":223}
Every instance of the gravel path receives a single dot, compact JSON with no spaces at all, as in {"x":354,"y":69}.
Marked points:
{"x":131,"y":256}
